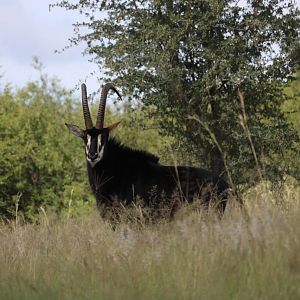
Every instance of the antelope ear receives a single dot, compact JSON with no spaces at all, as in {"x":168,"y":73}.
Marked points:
{"x":75,"y":130}
{"x":113,"y":126}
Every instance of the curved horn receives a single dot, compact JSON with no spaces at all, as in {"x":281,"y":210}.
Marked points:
{"x":102,"y":104}
{"x":85,"y":107}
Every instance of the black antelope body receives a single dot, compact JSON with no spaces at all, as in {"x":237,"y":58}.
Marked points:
{"x":117,"y":172}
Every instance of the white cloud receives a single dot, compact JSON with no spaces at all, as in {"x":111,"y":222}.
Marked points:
{"x":29,"y":29}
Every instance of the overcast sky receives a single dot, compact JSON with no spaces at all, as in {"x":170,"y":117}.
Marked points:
{"x":27,"y":29}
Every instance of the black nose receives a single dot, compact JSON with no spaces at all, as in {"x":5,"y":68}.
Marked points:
{"x":92,"y":156}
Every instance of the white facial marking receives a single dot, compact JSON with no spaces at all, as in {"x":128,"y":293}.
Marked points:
{"x":88,"y":144}
{"x":100,"y":150}
{"x":101,"y":153}
{"x":99,"y":143}
{"x":100,"y":147}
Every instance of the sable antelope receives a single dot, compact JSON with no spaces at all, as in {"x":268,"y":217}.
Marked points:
{"x":118,"y":172}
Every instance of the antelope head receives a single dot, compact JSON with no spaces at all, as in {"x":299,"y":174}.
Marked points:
{"x":94,"y":137}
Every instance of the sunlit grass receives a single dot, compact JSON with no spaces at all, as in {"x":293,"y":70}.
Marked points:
{"x":193,"y":257}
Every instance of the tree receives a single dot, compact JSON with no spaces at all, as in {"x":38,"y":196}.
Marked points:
{"x":37,"y":163}
{"x":291,"y":107}
{"x":41,"y":164}
{"x":190,"y":59}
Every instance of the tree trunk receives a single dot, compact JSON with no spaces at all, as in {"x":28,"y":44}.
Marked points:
{"x":216,"y":158}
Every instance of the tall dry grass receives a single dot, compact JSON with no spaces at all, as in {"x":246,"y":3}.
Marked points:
{"x":196,"y":256}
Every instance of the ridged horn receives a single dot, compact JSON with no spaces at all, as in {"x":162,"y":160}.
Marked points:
{"x":85,"y":107}
{"x":102,"y":104}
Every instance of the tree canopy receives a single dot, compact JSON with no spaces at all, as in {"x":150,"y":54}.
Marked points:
{"x":213,"y":71}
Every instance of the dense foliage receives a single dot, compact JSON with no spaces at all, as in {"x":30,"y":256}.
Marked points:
{"x":291,"y":108}
{"x":38,"y":167}
{"x":42,"y":166}
{"x":189,"y":59}
{"x":185,"y":62}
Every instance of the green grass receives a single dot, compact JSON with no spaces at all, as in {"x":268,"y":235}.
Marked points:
{"x":193,"y":257}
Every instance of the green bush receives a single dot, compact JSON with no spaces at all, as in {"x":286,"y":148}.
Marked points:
{"x":41,"y":164}
{"x":38,"y":161}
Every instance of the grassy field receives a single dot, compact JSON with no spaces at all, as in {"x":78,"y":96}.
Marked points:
{"x":193,"y":257}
